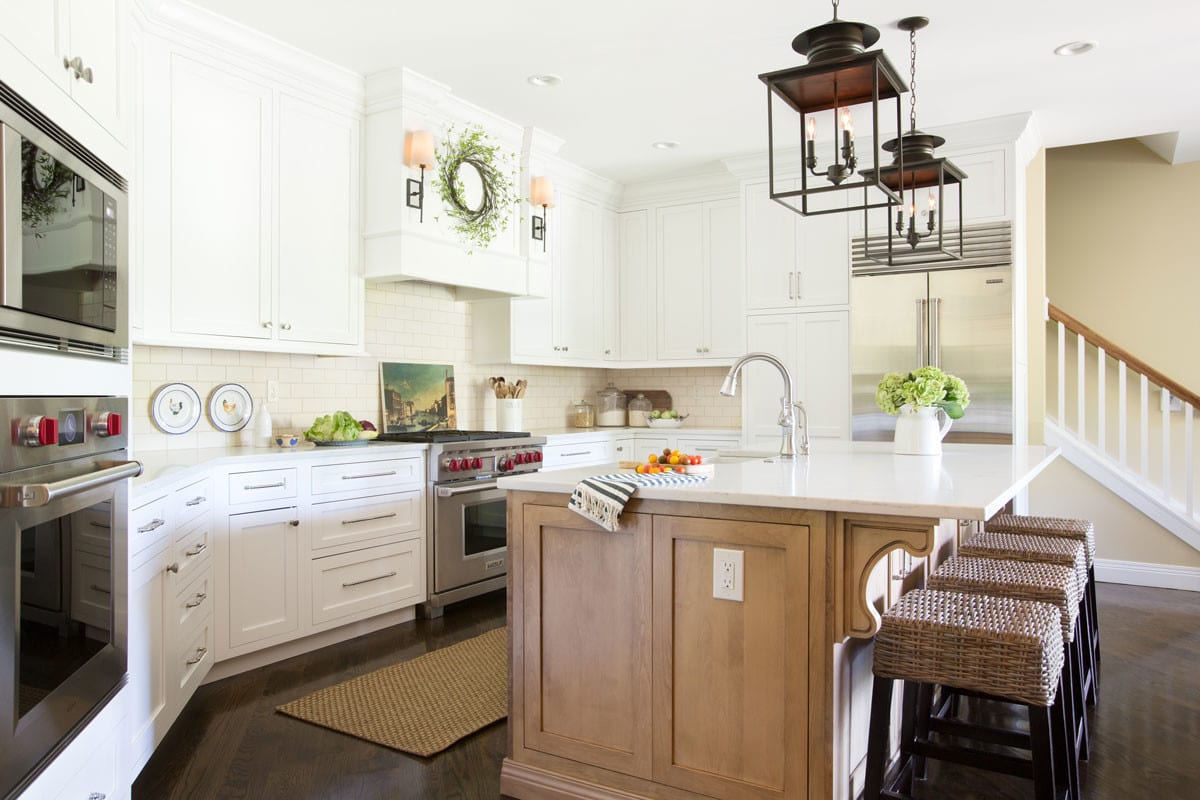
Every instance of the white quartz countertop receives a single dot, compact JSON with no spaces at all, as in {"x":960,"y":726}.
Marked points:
{"x":968,"y":481}
{"x":165,"y":467}
{"x":558,"y":435}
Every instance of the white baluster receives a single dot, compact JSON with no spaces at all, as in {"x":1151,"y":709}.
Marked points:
{"x":1062,"y":375}
{"x":1145,"y":428}
{"x":1166,"y":445}
{"x":1081,"y":380}
{"x":1121,"y":412}
{"x":1188,"y":466}
{"x":1102,"y":386}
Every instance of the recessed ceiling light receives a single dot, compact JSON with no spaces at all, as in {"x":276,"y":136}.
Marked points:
{"x":665,"y":144}
{"x":544,"y":80}
{"x":1074,"y":48}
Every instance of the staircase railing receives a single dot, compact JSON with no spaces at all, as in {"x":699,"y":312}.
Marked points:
{"x":1144,"y":444}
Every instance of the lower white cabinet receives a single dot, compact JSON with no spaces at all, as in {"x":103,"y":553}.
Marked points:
{"x":149,"y":701}
{"x":262,"y":598}
{"x":362,"y":580}
{"x":815,"y":346}
{"x":575,"y":450}
{"x":578,"y":452}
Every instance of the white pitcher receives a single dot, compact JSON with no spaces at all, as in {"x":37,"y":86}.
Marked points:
{"x":917,"y":431}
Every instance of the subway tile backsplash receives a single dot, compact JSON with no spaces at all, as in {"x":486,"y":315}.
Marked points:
{"x":411,"y":321}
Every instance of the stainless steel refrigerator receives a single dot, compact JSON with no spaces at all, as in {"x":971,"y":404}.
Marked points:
{"x":956,"y":319}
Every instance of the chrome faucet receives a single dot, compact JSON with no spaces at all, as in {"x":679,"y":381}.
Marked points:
{"x":787,"y":417}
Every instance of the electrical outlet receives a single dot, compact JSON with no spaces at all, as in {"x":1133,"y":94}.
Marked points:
{"x":728,"y":576}
{"x":272,"y":391}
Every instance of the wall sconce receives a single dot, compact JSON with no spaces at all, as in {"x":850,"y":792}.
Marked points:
{"x":418,"y":152}
{"x":541,"y":193}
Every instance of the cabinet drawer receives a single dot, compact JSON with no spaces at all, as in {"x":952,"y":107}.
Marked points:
{"x":354,"y":583}
{"x":96,"y":777}
{"x":192,"y":501}
{"x":192,"y":604}
{"x":91,"y":589}
{"x":704,"y":447}
{"x":363,"y":519}
{"x":147,"y":524}
{"x":90,"y":529}
{"x":193,"y":659}
{"x":561,"y":456}
{"x":265,"y":484}
{"x":191,"y":549}
{"x":389,"y":475}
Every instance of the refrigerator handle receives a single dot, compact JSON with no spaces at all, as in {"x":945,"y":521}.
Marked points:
{"x":922,"y":332}
{"x":935,"y":334}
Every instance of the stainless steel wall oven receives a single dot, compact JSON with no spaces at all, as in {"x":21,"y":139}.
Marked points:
{"x":64,"y":494}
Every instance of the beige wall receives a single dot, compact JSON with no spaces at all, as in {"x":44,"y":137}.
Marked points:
{"x":407,"y":322}
{"x":1035,"y":294}
{"x":1120,"y":255}
{"x":1115,"y":259}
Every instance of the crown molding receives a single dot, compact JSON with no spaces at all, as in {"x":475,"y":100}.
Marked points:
{"x":708,"y":185}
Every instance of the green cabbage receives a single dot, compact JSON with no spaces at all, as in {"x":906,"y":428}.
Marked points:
{"x":338,"y":427}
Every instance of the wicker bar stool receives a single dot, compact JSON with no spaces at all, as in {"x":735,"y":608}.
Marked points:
{"x":1080,"y":530}
{"x":997,"y":648}
{"x":1047,"y":583}
{"x":1048,"y":550}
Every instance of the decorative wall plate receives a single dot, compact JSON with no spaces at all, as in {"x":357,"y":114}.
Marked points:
{"x":175,"y":408}
{"x":230,"y":407}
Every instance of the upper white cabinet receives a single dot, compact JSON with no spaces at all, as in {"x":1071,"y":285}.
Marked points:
{"x":637,"y":285}
{"x":250,"y":216}
{"x":793,"y":261}
{"x":78,"y":46}
{"x":700,"y":311}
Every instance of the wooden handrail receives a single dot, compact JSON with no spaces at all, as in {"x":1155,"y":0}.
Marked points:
{"x":1121,"y":354}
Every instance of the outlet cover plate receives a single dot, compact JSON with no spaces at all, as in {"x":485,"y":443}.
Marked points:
{"x":728,"y":574}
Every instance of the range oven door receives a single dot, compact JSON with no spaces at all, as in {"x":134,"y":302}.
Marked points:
{"x":62,"y":605}
{"x":470,"y":534}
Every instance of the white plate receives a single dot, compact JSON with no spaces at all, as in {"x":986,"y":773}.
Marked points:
{"x":230,"y":407}
{"x":175,"y":408}
{"x":665,"y":423}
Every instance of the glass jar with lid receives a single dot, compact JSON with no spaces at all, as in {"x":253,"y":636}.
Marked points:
{"x":610,"y":406}
{"x":583,"y":414}
{"x":639,"y":411}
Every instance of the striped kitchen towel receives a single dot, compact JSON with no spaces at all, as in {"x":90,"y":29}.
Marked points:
{"x":602,"y":498}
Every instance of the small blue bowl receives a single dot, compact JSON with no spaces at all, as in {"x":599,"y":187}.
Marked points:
{"x":287,"y":441}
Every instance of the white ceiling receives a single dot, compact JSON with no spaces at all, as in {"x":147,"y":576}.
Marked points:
{"x":637,"y":71}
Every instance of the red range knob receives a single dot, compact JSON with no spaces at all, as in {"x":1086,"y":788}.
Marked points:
{"x":107,"y":424}
{"x":537,"y":455}
{"x":452,"y":464}
{"x":508,"y":465}
{"x":47,"y":431}
{"x":519,"y":458}
{"x":477,"y":463}
{"x":466,"y":463}
{"x":114,"y":424}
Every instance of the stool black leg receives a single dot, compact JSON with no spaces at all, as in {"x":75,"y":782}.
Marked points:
{"x":1062,"y":732}
{"x":1079,"y":727}
{"x":1043,"y":748}
{"x":1094,"y":641}
{"x":924,"y":710}
{"x":877,"y":737}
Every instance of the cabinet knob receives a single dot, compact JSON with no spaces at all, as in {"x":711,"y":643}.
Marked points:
{"x":565,"y":348}
{"x":557,"y":348}
{"x":608,"y":352}
{"x":295,"y":523}
{"x":174,"y":568}
{"x":287,"y":326}
{"x":268,"y":324}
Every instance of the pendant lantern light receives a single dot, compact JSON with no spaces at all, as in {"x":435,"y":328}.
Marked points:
{"x":840,"y":78}
{"x":915,"y":169}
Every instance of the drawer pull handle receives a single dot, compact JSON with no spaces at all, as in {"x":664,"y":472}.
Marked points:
{"x":196,"y":501}
{"x":152,"y":526}
{"x":100,"y":589}
{"x":368,"y":580}
{"x":199,"y":598}
{"x":97,"y":796}
{"x":369,"y":475}
{"x":197,"y":550}
{"x":173,"y":568}
{"x":253,"y":486}
{"x":368,"y":519}
{"x":581,"y":453}
{"x":200,"y":654}
{"x":105,"y":525}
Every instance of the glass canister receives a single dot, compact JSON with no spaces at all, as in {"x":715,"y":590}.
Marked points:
{"x":610,"y":406}
{"x":583,"y":414}
{"x":639,"y":411}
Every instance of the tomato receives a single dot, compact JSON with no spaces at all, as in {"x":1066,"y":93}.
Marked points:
{"x":641,"y":468}
{"x":681,"y":469}
{"x":674,"y":459}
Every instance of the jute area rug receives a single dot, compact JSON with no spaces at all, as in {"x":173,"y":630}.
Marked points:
{"x":421,"y":706}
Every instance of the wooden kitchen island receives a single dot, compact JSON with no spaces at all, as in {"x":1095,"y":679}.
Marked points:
{"x":629,"y":680}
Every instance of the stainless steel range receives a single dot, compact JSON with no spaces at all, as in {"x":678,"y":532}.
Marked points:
{"x":467,"y":514}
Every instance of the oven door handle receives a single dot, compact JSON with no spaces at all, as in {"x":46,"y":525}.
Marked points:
{"x":451,"y":491}
{"x":33,"y":495}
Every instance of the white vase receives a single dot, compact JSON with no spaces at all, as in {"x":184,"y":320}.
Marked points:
{"x":918,"y":432}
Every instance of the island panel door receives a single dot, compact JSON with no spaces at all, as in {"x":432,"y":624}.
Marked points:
{"x":587,"y":638}
{"x":731,"y":678}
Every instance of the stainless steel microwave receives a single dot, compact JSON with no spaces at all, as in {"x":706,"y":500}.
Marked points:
{"x":64,"y":238}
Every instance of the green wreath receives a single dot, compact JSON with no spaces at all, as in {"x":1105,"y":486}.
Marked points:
{"x":476,"y":226}
{"x":43,"y":184}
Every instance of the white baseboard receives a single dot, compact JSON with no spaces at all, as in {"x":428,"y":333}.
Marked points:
{"x":1135,"y":573}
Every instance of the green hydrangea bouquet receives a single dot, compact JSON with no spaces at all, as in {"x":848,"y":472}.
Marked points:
{"x":925,"y":386}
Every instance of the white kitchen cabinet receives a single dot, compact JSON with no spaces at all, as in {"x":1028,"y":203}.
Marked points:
{"x":578,"y":452}
{"x":610,"y":286}
{"x":250,"y":211}
{"x":577,"y":269}
{"x":149,"y":702}
{"x":815,"y":347}
{"x":793,"y":261}
{"x":625,"y":449}
{"x":700,"y":310}
{"x":262,"y":601}
{"x":53,"y":33}
{"x":352,"y":585}
{"x":637,"y":286}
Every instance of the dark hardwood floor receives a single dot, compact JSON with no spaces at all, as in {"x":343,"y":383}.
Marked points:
{"x":230,"y":743}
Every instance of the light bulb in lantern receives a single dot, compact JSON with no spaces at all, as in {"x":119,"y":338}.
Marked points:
{"x":847,"y":121}
{"x":811,"y":129}
{"x":932,"y":203}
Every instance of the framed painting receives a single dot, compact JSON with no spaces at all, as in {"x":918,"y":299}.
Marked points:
{"x":417,"y":397}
